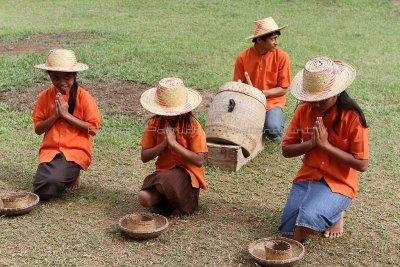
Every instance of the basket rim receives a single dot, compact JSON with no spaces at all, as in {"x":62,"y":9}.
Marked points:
{"x":153,"y":215}
{"x":277,"y":262}
{"x":251,"y":91}
{"x":30,"y":205}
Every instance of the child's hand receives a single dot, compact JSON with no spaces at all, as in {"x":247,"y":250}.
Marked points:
{"x":321,"y":133}
{"x":170,"y":135}
{"x":56,"y":111}
{"x":61,"y":105}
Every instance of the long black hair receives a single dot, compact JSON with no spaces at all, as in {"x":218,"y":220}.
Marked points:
{"x":183,"y":121}
{"x":345,"y":102}
{"x":72,"y":97}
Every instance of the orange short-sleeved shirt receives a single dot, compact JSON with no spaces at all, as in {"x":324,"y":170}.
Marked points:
{"x":193,"y":139}
{"x":266,"y":71}
{"x":62,"y":136}
{"x":352,"y":138}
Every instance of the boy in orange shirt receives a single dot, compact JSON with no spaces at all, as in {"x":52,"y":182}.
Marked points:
{"x":330,"y":130}
{"x":177,"y":140}
{"x":69,"y":117}
{"x":268,"y":68}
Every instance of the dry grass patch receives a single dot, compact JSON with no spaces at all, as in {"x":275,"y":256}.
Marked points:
{"x":43,"y":42}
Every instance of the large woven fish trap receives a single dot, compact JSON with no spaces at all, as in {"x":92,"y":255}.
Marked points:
{"x":236,"y":116}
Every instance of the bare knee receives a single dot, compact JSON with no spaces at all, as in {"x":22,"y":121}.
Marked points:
{"x":144,"y":198}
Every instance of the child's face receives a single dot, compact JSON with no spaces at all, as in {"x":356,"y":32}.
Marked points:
{"x":62,"y":80}
{"x":270,"y":43}
{"x":324,"y":105}
{"x":170,"y":119}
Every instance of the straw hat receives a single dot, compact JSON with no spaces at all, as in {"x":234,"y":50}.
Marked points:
{"x":143,"y":225}
{"x":170,"y":98}
{"x":322,"y":78}
{"x":260,"y":252}
{"x":265,"y":26}
{"x":62,"y":60}
{"x":18,"y":203}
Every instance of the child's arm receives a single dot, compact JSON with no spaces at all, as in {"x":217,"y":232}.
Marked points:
{"x":300,"y":147}
{"x":190,"y":156}
{"x":293,"y":144}
{"x":148,"y":154}
{"x":321,"y":139}
{"x":62,"y":107}
{"x":45,"y":125}
{"x":294,"y":150}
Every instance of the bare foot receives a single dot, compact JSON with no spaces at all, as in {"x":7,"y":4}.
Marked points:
{"x":336,"y":230}
{"x":301,"y":233}
{"x":175,"y":214}
{"x":75,"y":185}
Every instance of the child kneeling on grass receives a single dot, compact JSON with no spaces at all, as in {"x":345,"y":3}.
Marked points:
{"x":178,"y":141}
{"x":330,"y":130}
{"x":69,"y":117}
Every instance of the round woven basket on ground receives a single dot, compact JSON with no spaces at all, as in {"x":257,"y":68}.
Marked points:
{"x":143,"y":225}
{"x":236,"y":116}
{"x":258,"y":251}
{"x":18,"y":203}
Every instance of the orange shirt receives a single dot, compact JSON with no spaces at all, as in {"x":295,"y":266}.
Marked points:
{"x":352,"y":138}
{"x":193,"y":139}
{"x":62,"y":136}
{"x":266,"y":71}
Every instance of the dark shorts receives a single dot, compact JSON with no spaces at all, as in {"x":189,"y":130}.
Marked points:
{"x":53,"y":177}
{"x":177,"y":187}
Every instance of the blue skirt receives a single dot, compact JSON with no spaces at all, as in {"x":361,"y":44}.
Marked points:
{"x":312,"y":204}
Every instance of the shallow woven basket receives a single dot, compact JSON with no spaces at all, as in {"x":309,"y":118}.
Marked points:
{"x":18,"y":203}
{"x":143,"y":225}
{"x":258,"y":252}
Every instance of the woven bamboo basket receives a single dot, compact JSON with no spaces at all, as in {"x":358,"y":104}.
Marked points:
{"x":18,"y":203}
{"x":272,"y":251}
{"x":277,"y":250}
{"x":236,"y":116}
{"x":143,"y":225}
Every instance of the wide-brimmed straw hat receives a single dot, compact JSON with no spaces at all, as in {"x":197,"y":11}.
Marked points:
{"x":322,"y":78}
{"x":62,"y":60}
{"x":265,"y":26}
{"x":170,"y":98}
{"x":268,"y":251}
{"x":143,"y":225}
{"x":18,"y":203}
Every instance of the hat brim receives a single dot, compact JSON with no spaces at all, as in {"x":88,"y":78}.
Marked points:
{"x":77,"y":67}
{"x":149,"y":102}
{"x":342,"y":81}
{"x":264,"y":33}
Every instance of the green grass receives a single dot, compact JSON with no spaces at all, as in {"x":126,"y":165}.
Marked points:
{"x":144,"y":41}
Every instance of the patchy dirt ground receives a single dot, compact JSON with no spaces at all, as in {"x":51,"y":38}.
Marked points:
{"x":43,"y":42}
{"x":113,"y":97}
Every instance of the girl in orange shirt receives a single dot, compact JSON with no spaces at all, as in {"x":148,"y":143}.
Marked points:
{"x":330,"y":130}
{"x":69,"y":117}
{"x":178,"y":142}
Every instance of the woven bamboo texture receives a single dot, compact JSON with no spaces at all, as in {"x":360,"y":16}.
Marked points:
{"x":236,"y":116}
{"x":258,"y":253}
{"x":18,"y":203}
{"x":136,"y":225}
